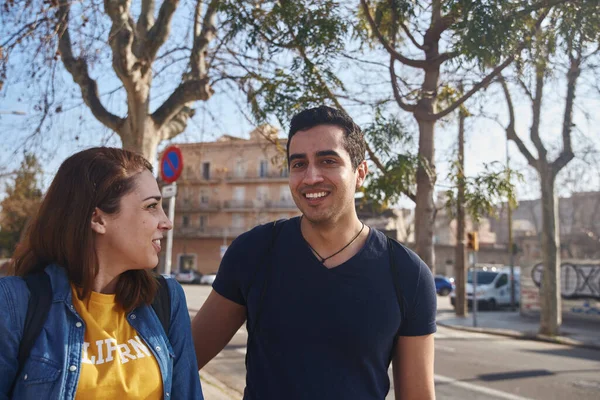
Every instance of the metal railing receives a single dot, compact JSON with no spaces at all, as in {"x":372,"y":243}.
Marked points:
{"x":191,"y":231}
{"x":252,"y":176}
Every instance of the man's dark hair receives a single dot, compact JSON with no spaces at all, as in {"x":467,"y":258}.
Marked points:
{"x":354,"y":140}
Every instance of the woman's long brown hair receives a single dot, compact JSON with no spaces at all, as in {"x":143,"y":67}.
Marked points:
{"x":61,"y":232}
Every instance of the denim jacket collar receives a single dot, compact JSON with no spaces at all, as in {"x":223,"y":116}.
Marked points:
{"x":61,"y":288}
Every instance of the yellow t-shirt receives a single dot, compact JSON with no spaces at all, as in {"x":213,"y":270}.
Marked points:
{"x":115,"y":362}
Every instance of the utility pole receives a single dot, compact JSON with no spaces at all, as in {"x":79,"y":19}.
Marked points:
{"x":473,"y":246}
{"x":511,"y":252}
{"x":460,"y":264}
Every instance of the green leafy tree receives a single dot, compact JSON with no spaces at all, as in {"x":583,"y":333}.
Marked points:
{"x":429,"y":39}
{"x":23,"y":197}
{"x":567,"y":45}
{"x":485,"y":36}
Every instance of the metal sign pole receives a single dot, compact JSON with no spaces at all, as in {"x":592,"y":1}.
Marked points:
{"x":171,"y":166}
{"x":169,"y":250}
{"x":474,"y":258}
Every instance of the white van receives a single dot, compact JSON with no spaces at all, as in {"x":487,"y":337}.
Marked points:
{"x":493,"y":287}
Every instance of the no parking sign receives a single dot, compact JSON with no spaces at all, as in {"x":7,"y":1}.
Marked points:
{"x":171,"y":164}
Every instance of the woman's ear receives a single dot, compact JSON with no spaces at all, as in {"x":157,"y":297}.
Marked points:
{"x":98,"y":221}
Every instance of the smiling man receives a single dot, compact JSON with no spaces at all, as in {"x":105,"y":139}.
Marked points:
{"x":329,"y":301}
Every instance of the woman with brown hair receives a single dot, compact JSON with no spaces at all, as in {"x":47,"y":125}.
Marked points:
{"x":95,"y":239}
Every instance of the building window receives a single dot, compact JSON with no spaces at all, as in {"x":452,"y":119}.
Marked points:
{"x":239,"y":195}
{"x":284,"y":194}
{"x":240,"y":168}
{"x":204,"y":196}
{"x":263,"y":169}
{"x":206,"y":170}
{"x":203,"y":222}
{"x":284,"y":172}
{"x":237,"y":220}
{"x":262,"y":193}
{"x":185,"y":221}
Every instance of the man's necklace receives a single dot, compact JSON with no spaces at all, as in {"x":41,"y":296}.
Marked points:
{"x":323,"y":259}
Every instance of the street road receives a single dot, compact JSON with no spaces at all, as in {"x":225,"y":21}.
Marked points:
{"x":472,"y":366}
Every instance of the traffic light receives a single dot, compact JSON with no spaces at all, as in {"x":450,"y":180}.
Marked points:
{"x":473,"y":241}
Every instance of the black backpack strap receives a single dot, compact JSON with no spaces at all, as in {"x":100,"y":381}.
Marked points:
{"x":40,"y":300}
{"x":162,"y":304}
{"x":396,"y":280}
{"x":275,"y":229}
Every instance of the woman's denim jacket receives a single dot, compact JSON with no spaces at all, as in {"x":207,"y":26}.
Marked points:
{"x":52,"y":370}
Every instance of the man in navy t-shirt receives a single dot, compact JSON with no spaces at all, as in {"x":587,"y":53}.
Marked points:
{"x":329,"y":301}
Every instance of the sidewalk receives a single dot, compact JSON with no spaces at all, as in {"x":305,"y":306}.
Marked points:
{"x":213,"y":389}
{"x":580,"y":333}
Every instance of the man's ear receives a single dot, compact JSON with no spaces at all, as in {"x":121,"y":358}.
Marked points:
{"x":98,"y":221}
{"x":362,"y":170}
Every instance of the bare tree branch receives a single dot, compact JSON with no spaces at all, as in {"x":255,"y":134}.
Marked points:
{"x":511,"y":133}
{"x":30,"y":27}
{"x":204,"y":33}
{"x":566,"y":154}
{"x":121,"y":41}
{"x":171,"y":51}
{"x":193,"y":90}
{"x":78,"y":69}
{"x":146,"y":20}
{"x":406,"y":107}
{"x":404,"y":60}
{"x":447,"y":56}
{"x":525,"y":88}
{"x":439,"y":24}
{"x":411,"y":37}
{"x":159,"y":33}
{"x":177,"y":124}
{"x":534,"y":132}
{"x":485,"y":81}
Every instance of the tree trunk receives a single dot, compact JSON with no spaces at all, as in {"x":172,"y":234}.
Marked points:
{"x":460,"y":267}
{"x":141,"y":136}
{"x":425,"y":207}
{"x":551,"y":315}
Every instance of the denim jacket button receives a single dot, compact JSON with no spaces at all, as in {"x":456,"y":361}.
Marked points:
{"x":78,"y":324}
{"x":72,"y":368}
{"x":25,"y":377}
{"x":132,"y":316}
{"x":157,"y":348}
{"x":168,"y":394}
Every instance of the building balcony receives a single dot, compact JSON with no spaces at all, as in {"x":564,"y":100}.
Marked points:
{"x":202,"y":207}
{"x":280,"y":205}
{"x":237,"y":206}
{"x":256,"y":205}
{"x":277,"y":177}
{"x":207,"y":232}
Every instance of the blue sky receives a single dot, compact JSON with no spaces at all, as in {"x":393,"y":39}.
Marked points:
{"x":221,"y":115}
{"x":75,"y":128}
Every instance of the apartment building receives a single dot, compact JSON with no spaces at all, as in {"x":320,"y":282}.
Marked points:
{"x":227,"y":187}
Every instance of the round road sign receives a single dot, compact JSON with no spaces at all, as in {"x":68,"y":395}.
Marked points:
{"x":171,"y":164}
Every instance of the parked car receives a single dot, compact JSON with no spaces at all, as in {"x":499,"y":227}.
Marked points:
{"x":493,"y":288}
{"x":443,"y":285}
{"x":208,"y":279}
{"x":187,"y":276}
